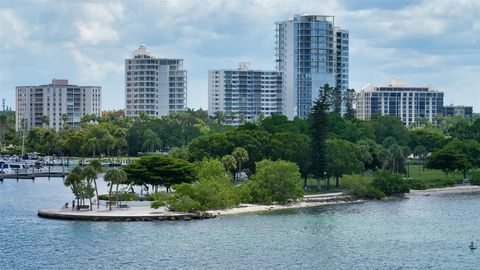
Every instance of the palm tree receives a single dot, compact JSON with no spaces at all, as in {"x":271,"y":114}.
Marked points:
{"x":45,"y":120}
{"x":230,"y":164}
{"x":242,"y":118}
{"x":220,"y":117}
{"x":3,"y":126}
{"x":92,"y":145}
{"x":98,"y":168}
{"x":150,"y":141}
{"x":241,"y":156}
{"x":64,"y":119}
{"x":114,"y":176}
{"x":90,"y":175}
{"x":74,"y":181}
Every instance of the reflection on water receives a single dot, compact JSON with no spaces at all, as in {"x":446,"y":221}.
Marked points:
{"x":417,"y":233}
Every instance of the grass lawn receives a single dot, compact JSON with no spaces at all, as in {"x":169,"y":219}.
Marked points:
{"x":432,"y":179}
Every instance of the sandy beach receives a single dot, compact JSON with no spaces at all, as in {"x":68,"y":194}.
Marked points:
{"x":446,"y":190}
{"x":307,"y":201}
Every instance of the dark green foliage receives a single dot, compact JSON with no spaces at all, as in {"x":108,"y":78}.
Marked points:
{"x":349,"y":99}
{"x":389,"y":126}
{"x":160,"y":170}
{"x":343,"y":158}
{"x":474,"y":178}
{"x":318,"y":132}
{"x":275,"y":181}
{"x":416,"y":184}
{"x":431,"y":139}
{"x":256,"y":142}
{"x":447,"y":160}
{"x":359,"y":187}
{"x":390,"y":183}
{"x":212,"y":190}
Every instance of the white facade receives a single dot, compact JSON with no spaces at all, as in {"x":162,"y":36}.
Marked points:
{"x":405,"y":102}
{"x":156,"y":86}
{"x":55,"y":100}
{"x":311,"y":52}
{"x":244,"y":94}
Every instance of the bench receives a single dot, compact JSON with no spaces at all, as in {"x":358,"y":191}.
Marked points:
{"x":80,"y":207}
{"x":124,"y":206}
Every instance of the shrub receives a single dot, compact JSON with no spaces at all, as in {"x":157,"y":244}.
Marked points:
{"x":122,"y":196}
{"x":213,"y":190}
{"x":474,"y":178}
{"x":416,"y":184}
{"x":390,"y":183}
{"x":275,"y":181}
{"x":358,"y":186}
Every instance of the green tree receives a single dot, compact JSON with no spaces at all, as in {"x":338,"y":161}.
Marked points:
{"x":349,"y":99}
{"x":276,"y":181}
{"x":447,"y":160}
{"x":390,"y":183}
{"x":45,"y":120}
{"x":212,"y":190}
{"x":468,"y":148}
{"x":241,"y":156}
{"x":229,"y":163}
{"x":74,"y":181}
{"x":3,"y":128}
{"x":294,"y":147}
{"x":342,"y":159}
{"x":159,"y":170}
{"x":318,"y":133}
{"x":151,"y":142}
{"x":114,"y":177}
{"x":92,"y":145}
{"x":64,"y":119}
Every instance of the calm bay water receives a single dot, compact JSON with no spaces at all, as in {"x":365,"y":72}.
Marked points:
{"x":417,"y":233}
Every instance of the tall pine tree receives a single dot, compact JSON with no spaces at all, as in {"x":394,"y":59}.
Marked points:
{"x":349,"y":100}
{"x":319,"y":131}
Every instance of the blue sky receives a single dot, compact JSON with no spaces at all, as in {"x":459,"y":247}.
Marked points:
{"x":423,"y":42}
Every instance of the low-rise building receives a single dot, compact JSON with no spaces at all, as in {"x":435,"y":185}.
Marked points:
{"x":451,"y":110}
{"x":405,"y":102}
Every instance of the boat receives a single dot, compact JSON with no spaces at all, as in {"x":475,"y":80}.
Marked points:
{"x":5,"y":168}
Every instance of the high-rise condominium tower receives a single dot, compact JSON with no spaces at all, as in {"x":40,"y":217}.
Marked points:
{"x":310,"y":52}
{"x":156,"y":86}
{"x":55,"y":104}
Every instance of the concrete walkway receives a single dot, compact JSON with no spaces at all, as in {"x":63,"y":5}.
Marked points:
{"x":135,"y":213}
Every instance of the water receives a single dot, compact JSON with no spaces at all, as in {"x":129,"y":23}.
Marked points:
{"x":417,"y":233}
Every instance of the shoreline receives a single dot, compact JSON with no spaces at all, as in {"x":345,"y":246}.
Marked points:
{"x":305,"y":202}
{"x":465,"y":188}
{"x":145,"y":213}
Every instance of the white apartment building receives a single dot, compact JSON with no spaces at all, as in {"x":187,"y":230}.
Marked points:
{"x":310,"y":51}
{"x":244,"y":94}
{"x":156,"y":86}
{"x":55,"y":100}
{"x":405,"y":102}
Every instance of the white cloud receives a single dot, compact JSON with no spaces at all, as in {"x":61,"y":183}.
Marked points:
{"x":96,"y":22}
{"x":13,"y":31}
{"x":91,"y":69}
{"x":95,"y":33}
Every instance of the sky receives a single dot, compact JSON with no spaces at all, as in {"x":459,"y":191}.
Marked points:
{"x":432,"y":42}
